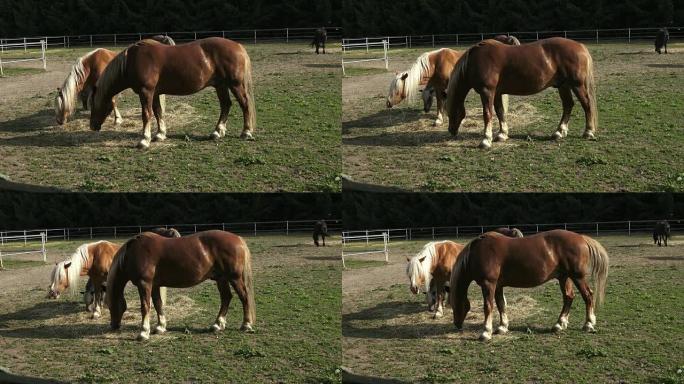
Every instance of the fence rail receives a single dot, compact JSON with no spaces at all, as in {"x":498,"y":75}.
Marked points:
{"x":115,"y":39}
{"x":42,"y":236}
{"x":25,"y":46}
{"x":596,"y":228}
{"x":588,"y":35}
{"x":247,"y":228}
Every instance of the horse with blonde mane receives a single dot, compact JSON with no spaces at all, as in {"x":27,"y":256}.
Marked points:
{"x":431,"y":69}
{"x":152,"y":69}
{"x":495,"y":261}
{"x":493,"y":69}
{"x":93,"y":260}
{"x":152,"y":263}
{"x":431,"y":270}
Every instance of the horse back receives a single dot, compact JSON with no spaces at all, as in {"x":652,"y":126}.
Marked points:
{"x":447,"y":253}
{"x":443,"y":62}
{"x":102,"y":254}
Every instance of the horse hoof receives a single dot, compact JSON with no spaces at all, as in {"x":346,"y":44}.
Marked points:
{"x":557,"y":328}
{"x":159,"y":137}
{"x":437,"y":123}
{"x":247,"y":136}
{"x":118,"y":121}
{"x":159,"y":330}
{"x":501,"y":330}
{"x":144,"y":144}
{"x":556,"y":136}
{"x":501,"y":137}
{"x":95,"y":315}
{"x":485,"y":336}
{"x":247,"y":328}
{"x":437,"y":315}
{"x":589,"y":328}
{"x":215,"y":135}
{"x":589,"y":135}
{"x":143,"y":337}
{"x":485,"y":144}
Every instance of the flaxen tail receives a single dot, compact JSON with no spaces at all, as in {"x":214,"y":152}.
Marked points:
{"x":598,"y":258}
{"x":249,"y":284}
{"x":591,"y":90}
{"x":249,"y":91}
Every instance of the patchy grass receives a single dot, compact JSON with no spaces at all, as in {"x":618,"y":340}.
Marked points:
{"x":297,"y":145}
{"x":640,"y":99}
{"x":387,"y":332}
{"x":297,"y":335}
{"x":10,"y":264}
{"x":19,"y":71}
{"x":356,"y":263}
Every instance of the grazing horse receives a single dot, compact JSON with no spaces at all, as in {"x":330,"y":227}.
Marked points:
{"x":661,"y":40}
{"x":510,"y":232}
{"x":431,"y":269}
{"x":152,"y":262}
{"x":495,"y":261}
{"x":661,"y":233}
{"x":93,"y":260}
{"x":493,"y":69}
{"x":152,"y":69}
{"x":507,"y":39}
{"x":320,"y":37}
{"x":431,"y":69}
{"x":320,"y":229}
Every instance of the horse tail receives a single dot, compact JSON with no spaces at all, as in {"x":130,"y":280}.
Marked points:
{"x":457,"y":271}
{"x":114,"y":271}
{"x":599,"y":266}
{"x":590,"y":83}
{"x":457,"y":75}
{"x":249,"y":92}
{"x":249,"y":283}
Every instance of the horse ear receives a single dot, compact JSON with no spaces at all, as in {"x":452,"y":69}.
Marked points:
{"x":67,"y":265}
{"x":408,"y":258}
{"x":404,"y":76}
{"x":422,"y":259}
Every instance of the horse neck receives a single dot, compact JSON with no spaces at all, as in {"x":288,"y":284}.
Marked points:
{"x":112,"y":80}
{"x":421,"y":69}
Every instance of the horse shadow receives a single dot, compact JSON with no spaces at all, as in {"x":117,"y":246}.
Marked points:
{"x":42,"y":311}
{"x":665,"y":65}
{"x":665,"y":258}
{"x":409,"y":139}
{"x":322,"y":258}
{"x":316,"y":65}
{"x":384,"y":118}
{"x":61,"y":331}
{"x":39,"y":120}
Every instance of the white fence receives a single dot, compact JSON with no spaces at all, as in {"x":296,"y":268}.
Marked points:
{"x":627,"y":35}
{"x":368,"y":241}
{"x":13,"y":47}
{"x":246,"y":229}
{"x":630,"y":228}
{"x":123,"y":39}
{"x":26,"y":239}
{"x":346,"y":47}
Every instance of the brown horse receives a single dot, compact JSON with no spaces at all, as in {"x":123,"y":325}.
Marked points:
{"x":152,"y":262}
{"x":507,"y":39}
{"x":82,"y":77}
{"x":431,"y":69}
{"x":493,"y":69}
{"x":431,"y":269}
{"x":152,"y":69}
{"x":93,"y":260}
{"x":510,"y":232}
{"x":495,"y":261}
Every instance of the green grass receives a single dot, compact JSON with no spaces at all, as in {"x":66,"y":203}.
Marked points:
{"x":296,"y":149}
{"x":10,"y":264}
{"x":13,"y":72}
{"x":640,"y":99}
{"x":388,"y":333}
{"x":297,"y":335}
{"x":356,"y":264}
{"x":353,"y":71}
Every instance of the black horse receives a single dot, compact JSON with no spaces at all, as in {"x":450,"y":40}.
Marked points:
{"x":661,"y":233}
{"x":661,"y":40}
{"x":319,"y":39}
{"x":320,"y":229}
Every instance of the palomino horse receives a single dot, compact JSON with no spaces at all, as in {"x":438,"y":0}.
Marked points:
{"x":320,"y":37}
{"x":431,"y":270}
{"x":431,"y":69}
{"x":661,"y":40}
{"x":152,"y":262}
{"x":320,"y":229}
{"x":152,"y":69}
{"x":494,"y":69}
{"x":495,"y":261}
{"x":661,"y":233}
{"x":92,"y":259}
{"x":83,"y":76}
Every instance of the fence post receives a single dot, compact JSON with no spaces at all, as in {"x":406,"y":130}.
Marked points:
{"x":537,"y":35}
{"x":597,"y":36}
{"x":366,"y":237}
{"x":287,"y":35}
{"x":410,"y":42}
{"x":223,"y":34}
{"x":68,"y":42}
{"x":115,"y":39}
{"x":255,"y":230}
{"x":537,"y":228}
{"x":139,"y":229}
{"x":629,"y":35}
{"x":115,"y":232}
{"x":255,"y":43}
{"x":91,"y":40}
{"x":91,"y":233}
{"x":481,"y":229}
{"x":223,"y":226}
{"x":565,"y":34}
{"x":68,"y":234}
{"x":24,"y":237}
{"x":433,"y":41}
{"x":195,"y":36}
{"x":43,"y":47}
{"x":287,"y":228}
{"x":63,"y":234}
{"x":406,"y":41}
{"x":195,"y":226}
{"x":597,"y":229}
{"x":481,"y":36}
{"x":457,"y":39}
{"x":366,"y":45}
{"x":457,"y":232}
{"x":629,"y":228}
{"x":24,"y":44}
{"x":433,"y":233}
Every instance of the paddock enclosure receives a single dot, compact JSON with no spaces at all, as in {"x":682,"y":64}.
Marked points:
{"x":297,"y":96}
{"x":387,"y":331}
{"x":639,"y":140}
{"x":297,"y":325}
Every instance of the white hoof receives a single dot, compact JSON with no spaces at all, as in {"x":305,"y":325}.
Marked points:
{"x":485,"y":336}
{"x":485,"y":144}
{"x":557,"y":328}
{"x":589,"y":327}
{"x":143,"y":336}
{"x":159,"y":137}
{"x":96,"y":315}
{"x":437,"y":123}
{"x":118,"y":121}
{"x":501,"y":137}
{"x":500,"y":330}
{"x":438,"y":315}
{"x":247,"y":135}
{"x":589,"y":135}
{"x":216,"y":328}
{"x":144,"y":144}
{"x":247,"y":327}
{"x":159,"y":330}
{"x":216,"y":135}
{"x":557,"y":136}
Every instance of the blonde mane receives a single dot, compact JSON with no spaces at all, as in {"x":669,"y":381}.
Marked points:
{"x":421,"y":68}
{"x":417,"y":268}
{"x":78,"y":259}
{"x":73,"y":84}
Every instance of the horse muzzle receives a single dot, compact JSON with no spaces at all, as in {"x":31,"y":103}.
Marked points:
{"x":52,"y":294}
{"x":389,"y":104}
{"x":414,"y":290}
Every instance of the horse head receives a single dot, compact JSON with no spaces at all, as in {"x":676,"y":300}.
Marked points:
{"x":61,"y":112}
{"x":397,"y":90}
{"x":428,"y":95}
{"x":416,"y":272}
{"x":60,"y":280}
{"x":461,"y":307}
{"x":99,"y":111}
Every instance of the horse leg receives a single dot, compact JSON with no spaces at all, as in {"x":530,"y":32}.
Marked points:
{"x":159,"y":115}
{"x":226,"y":296}
{"x":583,"y":97}
{"x":146,"y":101}
{"x":588,"y":297}
{"x":568,"y":296}
{"x":501,"y":115}
{"x":159,"y":307}
{"x":241,"y":291}
{"x":240,"y":93}
{"x":488,"y":290}
{"x":323,"y":237}
{"x":439,"y":298}
{"x":225,"y":103}
{"x":501,"y":306}
{"x":487,"y":109}
{"x":440,"y":108}
{"x":85,"y":95}
{"x":323,"y":44}
{"x":145,"y":292}
{"x":97,"y":300}
{"x":458,"y":112}
{"x":566,"y":99}
{"x":117,"y":115}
